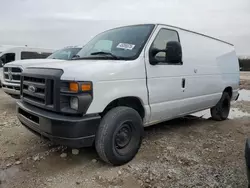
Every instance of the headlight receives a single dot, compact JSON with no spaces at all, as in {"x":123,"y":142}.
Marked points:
{"x":75,"y":97}
{"x":74,"y":103}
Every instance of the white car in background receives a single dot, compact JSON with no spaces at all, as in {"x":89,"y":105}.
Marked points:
{"x":13,"y":53}
{"x":12,"y":71}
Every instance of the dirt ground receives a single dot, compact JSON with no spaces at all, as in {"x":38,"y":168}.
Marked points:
{"x":186,"y":152}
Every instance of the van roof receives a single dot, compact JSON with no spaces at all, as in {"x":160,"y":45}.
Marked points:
{"x":9,"y":48}
{"x":6,"y":47}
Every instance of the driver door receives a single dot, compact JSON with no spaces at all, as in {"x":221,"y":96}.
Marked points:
{"x":166,"y":81}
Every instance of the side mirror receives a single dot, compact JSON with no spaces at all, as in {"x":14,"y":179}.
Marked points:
{"x":173,"y":54}
{"x":152,"y":55}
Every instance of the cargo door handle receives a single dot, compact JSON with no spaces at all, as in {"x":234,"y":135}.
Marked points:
{"x":183,"y":83}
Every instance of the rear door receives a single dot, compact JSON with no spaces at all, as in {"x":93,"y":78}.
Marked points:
{"x":166,"y":81}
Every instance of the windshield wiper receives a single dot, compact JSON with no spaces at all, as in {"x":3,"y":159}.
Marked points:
{"x":105,"y":53}
{"x":75,"y":57}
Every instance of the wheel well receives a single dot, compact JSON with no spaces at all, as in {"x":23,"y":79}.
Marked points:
{"x":229,"y":90}
{"x":132,"y":102}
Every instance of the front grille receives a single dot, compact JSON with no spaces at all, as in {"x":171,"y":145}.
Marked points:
{"x":41,"y":87}
{"x":11,"y":87}
{"x":5,"y":69}
{"x":12,"y":74}
{"x":38,"y":90}
{"x":32,"y":79}
{"x":16,"y":69}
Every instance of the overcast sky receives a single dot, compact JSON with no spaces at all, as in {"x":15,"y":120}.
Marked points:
{"x":59,"y":23}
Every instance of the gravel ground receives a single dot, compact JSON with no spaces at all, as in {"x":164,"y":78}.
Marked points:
{"x":186,"y":152}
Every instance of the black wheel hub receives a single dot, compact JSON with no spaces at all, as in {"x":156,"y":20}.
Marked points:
{"x":123,"y":136}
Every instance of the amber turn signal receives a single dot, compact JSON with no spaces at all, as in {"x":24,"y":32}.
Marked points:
{"x":73,"y":86}
{"x":86,"y":87}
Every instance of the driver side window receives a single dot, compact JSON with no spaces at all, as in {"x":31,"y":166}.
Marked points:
{"x":163,"y":37}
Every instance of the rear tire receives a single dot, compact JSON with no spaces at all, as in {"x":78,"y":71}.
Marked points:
{"x":119,"y":135}
{"x":221,"y":111}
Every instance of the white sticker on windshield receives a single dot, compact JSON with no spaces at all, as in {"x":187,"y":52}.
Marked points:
{"x":125,"y":46}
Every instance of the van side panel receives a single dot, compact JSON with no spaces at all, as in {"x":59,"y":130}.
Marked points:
{"x":211,"y":65}
{"x":231,"y":79}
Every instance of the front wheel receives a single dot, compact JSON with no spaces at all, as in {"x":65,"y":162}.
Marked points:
{"x":221,"y":110}
{"x":119,"y":135}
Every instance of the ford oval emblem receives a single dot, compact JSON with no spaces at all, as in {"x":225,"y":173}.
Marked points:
{"x":32,"y":89}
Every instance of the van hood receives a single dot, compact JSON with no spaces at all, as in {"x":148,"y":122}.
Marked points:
{"x":95,"y":70}
{"x":29,"y":62}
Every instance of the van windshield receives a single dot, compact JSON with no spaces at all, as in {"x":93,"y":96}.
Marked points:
{"x":125,"y":43}
{"x":64,"y":54}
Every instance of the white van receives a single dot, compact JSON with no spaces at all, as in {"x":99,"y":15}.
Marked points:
{"x":125,"y":79}
{"x":12,"y":53}
{"x":13,"y":70}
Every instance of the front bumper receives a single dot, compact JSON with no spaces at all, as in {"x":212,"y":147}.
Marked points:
{"x":11,"y":88}
{"x":75,"y":132}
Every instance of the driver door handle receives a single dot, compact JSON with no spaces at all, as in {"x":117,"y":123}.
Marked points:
{"x":183,"y":83}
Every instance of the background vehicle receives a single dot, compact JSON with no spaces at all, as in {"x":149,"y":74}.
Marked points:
{"x":13,"y":53}
{"x":66,"y":53}
{"x":12,"y":71}
{"x":124,"y":79}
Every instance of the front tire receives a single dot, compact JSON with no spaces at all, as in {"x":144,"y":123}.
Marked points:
{"x":119,"y":135}
{"x":221,"y":111}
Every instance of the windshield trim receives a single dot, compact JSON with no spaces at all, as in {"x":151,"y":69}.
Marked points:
{"x":125,"y":58}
